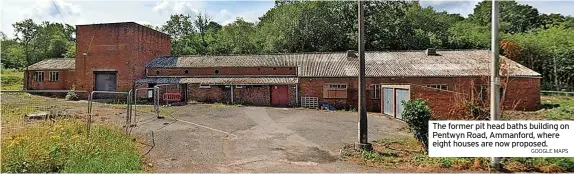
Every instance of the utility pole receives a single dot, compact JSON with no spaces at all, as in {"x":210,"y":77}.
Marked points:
{"x":494,"y":76}
{"x":363,"y":143}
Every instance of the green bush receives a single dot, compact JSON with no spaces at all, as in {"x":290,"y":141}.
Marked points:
{"x":417,"y":115}
{"x":11,"y":80}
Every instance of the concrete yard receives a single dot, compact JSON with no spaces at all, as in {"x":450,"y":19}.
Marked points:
{"x":204,"y":138}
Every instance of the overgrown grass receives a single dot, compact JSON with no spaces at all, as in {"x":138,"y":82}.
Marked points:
{"x":63,"y":147}
{"x":565,"y":109}
{"x":221,"y":105}
{"x":407,"y":153}
{"x":11,"y":79}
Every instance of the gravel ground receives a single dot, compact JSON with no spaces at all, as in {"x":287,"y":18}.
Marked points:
{"x":203,"y":138}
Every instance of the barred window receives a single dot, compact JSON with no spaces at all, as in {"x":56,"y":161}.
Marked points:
{"x":39,"y":76}
{"x":335,"y":91}
{"x":54,"y":76}
{"x":441,"y":87}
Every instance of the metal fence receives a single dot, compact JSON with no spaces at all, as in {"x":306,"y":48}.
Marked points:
{"x":108,"y":106}
{"x":558,"y":93}
{"x":20,"y":107}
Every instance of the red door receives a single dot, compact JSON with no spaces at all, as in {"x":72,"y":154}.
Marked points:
{"x":279,"y":95}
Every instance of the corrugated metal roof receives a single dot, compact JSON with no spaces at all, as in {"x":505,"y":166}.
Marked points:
{"x":54,"y":64}
{"x":221,"y":80}
{"x":378,"y":64}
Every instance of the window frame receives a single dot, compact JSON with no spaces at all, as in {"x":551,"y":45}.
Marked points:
{"x":438,"y":86}
{"x":335,"y":90}
{"x":51,"y":76}
{"x":37,"y":74}
{"x":375,"y":89}
{"x":204,"y":86}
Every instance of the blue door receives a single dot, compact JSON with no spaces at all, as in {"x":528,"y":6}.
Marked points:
{"x":388,"y":101}
{"x":401,"y":95}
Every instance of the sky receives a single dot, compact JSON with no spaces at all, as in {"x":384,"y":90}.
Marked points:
{"x":77,"y":12}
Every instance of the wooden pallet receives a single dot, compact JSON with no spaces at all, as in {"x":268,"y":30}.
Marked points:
{"x":310,"y":102}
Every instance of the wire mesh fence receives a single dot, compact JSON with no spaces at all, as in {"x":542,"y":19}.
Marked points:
{"x":22,"y":107}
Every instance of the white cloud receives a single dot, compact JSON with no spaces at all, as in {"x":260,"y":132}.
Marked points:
{"x":464,"y":8}
{"x":54,"y":8}
{"x":180,"y":7}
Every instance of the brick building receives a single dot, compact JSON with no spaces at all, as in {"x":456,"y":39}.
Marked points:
{"x":445,"y":79}
{"x":123,"y":56}
{"x":50,"y":74}
{"x":110,"y":57}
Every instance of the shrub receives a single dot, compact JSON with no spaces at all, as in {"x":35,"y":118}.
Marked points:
{"x":72,"y":96}
{"x":417,"y":115}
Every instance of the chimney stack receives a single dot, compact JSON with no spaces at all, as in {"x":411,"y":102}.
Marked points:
{"x":431,"y":52}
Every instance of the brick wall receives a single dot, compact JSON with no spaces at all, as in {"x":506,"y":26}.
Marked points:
{"x":222,"y":71}
{"x":443,"y":104}
{"x":65,"y":81}
{"x":122,"y":47}
{"x":214,"y":94}
{"x":253,"y":95}
{"x":524,"y":93}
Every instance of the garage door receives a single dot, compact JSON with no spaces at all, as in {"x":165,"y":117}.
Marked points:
{"x":106,"y":81}
{"x":388,"y":101}
{"x":401,"y":95}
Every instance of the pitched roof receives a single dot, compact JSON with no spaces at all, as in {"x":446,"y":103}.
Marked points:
{"x":222,"y":80}
{"x":54,"y":64}
{"x":378,"y":64}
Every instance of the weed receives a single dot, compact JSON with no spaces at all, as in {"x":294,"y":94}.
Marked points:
{"x":12,"y":79}
{"x":63,"y":147}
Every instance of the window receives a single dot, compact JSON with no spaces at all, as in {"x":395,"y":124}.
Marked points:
{"x":216,"y":71}
{"x":441,"y":87}
{"x":204,"y":86}
{"x":335,"y":91}
{"x":375,"y":91}
{"x":39,"y":76}
{"x":54,"y":76}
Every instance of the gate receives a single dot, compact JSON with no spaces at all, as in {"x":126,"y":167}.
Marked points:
{"x":165,"y":95}
{"x":111,"y":99}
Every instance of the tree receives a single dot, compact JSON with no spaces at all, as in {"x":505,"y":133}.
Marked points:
{"x":237,"y":38}
{"x":178,"y":27}
{"x":201,"y":23}
{"x":468,"y":35}
{"x":517,"y":17}
{"x":25,"y":31}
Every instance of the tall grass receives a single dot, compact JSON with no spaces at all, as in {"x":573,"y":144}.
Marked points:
{"x":11,"y":79}
{"x":63,"y":147}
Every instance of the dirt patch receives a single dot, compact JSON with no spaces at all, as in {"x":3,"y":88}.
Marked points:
{"x":309,"y":154}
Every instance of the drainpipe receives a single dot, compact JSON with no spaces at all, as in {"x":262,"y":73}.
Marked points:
{"x":297,"y":94}
{"x":231,"y":86}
